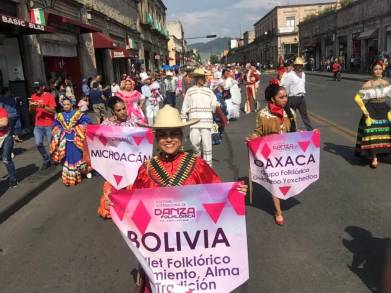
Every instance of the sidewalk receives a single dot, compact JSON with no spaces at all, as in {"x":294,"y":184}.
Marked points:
{"x":347,"y":76}
{"x":32,"y":181}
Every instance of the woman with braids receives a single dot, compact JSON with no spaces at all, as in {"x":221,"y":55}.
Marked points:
{"x":68,"y":139}
{"x":275,"y":118}
{"x":374,"y":132}
{"x":119,"y":117}
{"x":172,"y":166}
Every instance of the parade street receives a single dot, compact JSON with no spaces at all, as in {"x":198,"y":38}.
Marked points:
{"x":334,"y":239}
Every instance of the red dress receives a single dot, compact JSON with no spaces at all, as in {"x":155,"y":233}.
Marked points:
{"x":198,"y":172}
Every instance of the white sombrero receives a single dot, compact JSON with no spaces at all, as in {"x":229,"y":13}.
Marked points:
{"x":168,"y":117}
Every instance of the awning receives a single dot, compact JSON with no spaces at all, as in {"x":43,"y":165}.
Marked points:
{"x":10,"y":25}
{"x":119,"y":53}
{"x":369,"y":34}
{"x":84,"y":27}
{"x":102,"y":41}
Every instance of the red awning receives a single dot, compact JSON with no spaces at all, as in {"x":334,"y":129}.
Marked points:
{"x":102,"y":41}
{"x":119,"y":53}
{"x":84,"y":27}
{"x":10,"y":25}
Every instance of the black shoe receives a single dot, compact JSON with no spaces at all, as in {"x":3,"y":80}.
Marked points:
{"x":45,"y":165}
{"x":12,"y":183}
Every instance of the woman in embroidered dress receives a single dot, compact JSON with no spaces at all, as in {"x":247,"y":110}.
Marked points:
{"x":172,"y":167}
{"x":374,"y":134}
{"x":68,"y":138}
{"x":275,"y":118}
{"x":134,"y":101}
{"x":119,"y":118}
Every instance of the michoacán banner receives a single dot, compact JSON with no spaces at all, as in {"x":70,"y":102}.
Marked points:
{"x":285,"y":164}
{"x":188,"y":238}
{"x":117,"y":152}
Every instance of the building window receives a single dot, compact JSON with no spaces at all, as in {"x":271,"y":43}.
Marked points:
{"x":290,"y":21}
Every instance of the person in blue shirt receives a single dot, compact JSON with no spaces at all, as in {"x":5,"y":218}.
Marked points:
{"x":97,"y":100}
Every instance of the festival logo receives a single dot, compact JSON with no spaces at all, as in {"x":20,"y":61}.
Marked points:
{"x":202,"y":248}
{"x":118,"y":152}
{"x":285,"y":164}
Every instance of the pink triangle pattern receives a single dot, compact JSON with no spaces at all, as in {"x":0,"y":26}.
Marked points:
{"x":316,"y":138}
{"x":141,"y":217}
{"x":254,"y":144}
{"x":137,"y":139}
{"x":121,"y":201}
{"x":285,"y":189}
{"x":103,"y":139}
{"x":237,"y":201}
{"x":118,"y":179}
{"x":214,"y":210}
{"x":266,"y":151}
{"x":150,"y":136}
{"x":90,"y":135}
{"x":304,"y":145}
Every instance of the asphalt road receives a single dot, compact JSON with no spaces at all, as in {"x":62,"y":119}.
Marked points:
{"x":334,"y":240}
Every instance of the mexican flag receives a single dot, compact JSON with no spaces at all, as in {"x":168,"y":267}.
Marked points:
{"x":38,"y":16}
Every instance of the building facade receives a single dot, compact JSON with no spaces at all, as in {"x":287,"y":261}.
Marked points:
{"x":176,"y":43}
{"x":153,"y":33}
{"x":277,"y":33}
{"x":356,"y":33}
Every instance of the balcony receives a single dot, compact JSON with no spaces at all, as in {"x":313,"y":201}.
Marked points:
{"x":287,"y":30}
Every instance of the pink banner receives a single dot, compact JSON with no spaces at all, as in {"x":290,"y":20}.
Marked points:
{"x":187,"y":239}
{"x":285,"y":164}
{"x":117,"y":152}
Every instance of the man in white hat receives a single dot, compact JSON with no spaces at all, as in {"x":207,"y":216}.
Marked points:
{"x":151,"y":107}
{"x":170,"y":86}
{"x":200,"y":103}
{"x":294,"y":83}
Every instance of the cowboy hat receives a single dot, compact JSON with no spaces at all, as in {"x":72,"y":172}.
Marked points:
{"x":299,"y":61}
{"x":198,"y":72}
{"x":144,"y":76}
{"x":168,"y":117}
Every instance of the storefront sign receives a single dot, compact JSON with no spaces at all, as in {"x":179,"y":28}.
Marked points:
{"x":21,"y":23}
{"x":186,"y":238}
{"x":285,"y":164}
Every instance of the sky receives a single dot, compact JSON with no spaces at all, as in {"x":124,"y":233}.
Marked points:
{"x":225,"y":18}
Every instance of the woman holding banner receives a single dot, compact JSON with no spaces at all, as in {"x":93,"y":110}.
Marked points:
{"x":275,"y":118}
{"x":119,"y":118}
{"x":374,"y":135}
{"x":172,"y":166}
{"x":68,"y":138}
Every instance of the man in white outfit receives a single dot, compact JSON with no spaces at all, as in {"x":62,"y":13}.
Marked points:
{"x":152,"y":99}
{"x":200,"y":103}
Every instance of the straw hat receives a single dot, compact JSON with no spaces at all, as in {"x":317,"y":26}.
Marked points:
{"x":168,"y":117}
{"x":299,"y":61}
{"x":199,"y":72}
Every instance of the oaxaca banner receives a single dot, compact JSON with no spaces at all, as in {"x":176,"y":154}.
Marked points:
{"x":285,"y":164}
{"x":187,"y":238}
{"x":117,"y":152}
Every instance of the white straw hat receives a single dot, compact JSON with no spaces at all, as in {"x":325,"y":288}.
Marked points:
{"x":168,"y":117}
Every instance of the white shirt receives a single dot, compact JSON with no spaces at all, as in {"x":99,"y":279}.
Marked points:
{"x":294,"y":85}
{"x":199,"y":103}
{"x":115,"y":89}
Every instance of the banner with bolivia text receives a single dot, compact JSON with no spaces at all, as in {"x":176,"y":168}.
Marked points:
{"x":285,"y":164}
{"x":117,"y":152}
{"x":187,"y":238}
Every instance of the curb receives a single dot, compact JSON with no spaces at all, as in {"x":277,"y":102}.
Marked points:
{"x":23,"y":198}
{"x":343,"y":77}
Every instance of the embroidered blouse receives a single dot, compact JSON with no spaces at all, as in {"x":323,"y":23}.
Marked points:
{"x":267,"y":123}
{"x":199,"y":173}
{"x":378,"y":92}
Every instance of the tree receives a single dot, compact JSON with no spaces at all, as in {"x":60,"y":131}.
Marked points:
{"x":214,"y":59}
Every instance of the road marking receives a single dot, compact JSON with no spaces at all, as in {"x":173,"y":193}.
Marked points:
{"x":335,"y":127}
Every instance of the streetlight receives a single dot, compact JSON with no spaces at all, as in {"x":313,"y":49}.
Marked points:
{"x":193,"y":38}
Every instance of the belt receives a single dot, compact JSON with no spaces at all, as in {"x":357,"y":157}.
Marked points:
{"x":299,"y":95}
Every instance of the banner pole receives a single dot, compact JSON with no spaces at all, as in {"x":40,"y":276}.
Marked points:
{"x":250,"y":182}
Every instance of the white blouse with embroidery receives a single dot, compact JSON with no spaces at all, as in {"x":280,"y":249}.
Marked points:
{"x":378,"y":92}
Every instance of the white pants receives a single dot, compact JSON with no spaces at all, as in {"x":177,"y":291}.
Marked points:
{"x":202,"y":136}
{"x":150,"y":112}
